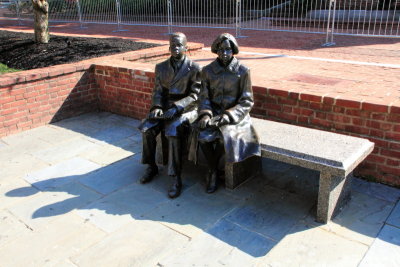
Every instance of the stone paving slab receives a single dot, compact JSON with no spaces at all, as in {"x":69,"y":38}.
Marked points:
{"x":376,"y":190}
{"x":62,"y":173}
{"x":311,"y":246}
{"x":108,"y":154}
{"x":248,"y":241}
{"x":141,"y":243}
{"x":16,"y":165}
{"x":208,"y":250}
{"x":58,"y":153}
{"x":394,"y":218}
{"x":112,"y":177}
{"x":385,"y":250}
{"x":55,"y":243}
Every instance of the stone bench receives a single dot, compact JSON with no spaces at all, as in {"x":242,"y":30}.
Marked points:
{"x":334,"y":155}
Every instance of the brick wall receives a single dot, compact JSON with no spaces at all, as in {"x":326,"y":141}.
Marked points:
{"x":124,"y":91}
{"x":33,"y":98}
{"x":378,"y":123}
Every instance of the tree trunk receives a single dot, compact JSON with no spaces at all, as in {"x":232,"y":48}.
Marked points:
{"x":41,"y":15}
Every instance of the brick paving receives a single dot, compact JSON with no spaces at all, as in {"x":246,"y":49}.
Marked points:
{"x":288,"y":61}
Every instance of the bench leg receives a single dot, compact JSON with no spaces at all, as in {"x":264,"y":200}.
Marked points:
{"x":334,"y":192}
{"x":237,"y":173}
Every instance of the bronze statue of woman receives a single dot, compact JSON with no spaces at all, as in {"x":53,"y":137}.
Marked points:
{"x":226,"y":98}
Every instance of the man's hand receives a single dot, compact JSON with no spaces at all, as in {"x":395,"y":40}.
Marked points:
{"x":222,"y":120}
{"x":170,"y":113}
{"x":156,"y":113}
{"x":204,"y":121}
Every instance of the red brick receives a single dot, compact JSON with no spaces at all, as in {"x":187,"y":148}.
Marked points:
{"x":392,"y":136}
{"x":24,"y":124}
{"x":287,"y":101}
{"x":390,"y":153}
{"x":321,"y":123}
{"x":294,"y":95}
{"x":303,"y":120}
{"x":287,"y":109}
{"x":374,"y":107}
{"x":338,"y":118}
{"x":328,"y":100}
{"x":270,"y":99}
{"x":4,"y":100}
{"x":311,"y":98}
{"x":320,"y":115}
{"x":259,"y":90}
{"x":389,"y":170}
{"x":304,"y":104}
{"x":353,"y":112}
{"x":8,"y":111}
{"x":394,"y":118}
{"x":31,"y":94}
{"x":378,"y":116}
{"x":375,"y":159}
{"x":339,"y":109}
{"x":392,"y":162}
{"x":319,"y":106}
{"x":11,"y":122}
{"x":377,"y":133}
{"x":274,"y":106}
{"x":348,"y":103}
{"x":277,"y":92}
{"x":358,"y":121}
{"x":42,"y":97}
{"x":395,"y":109}
{"x":41,"y":87}
{"x":19,"y":91}
{"x":379,"y":142}
{"x":369,"y":165}
{"x":357,"y":129}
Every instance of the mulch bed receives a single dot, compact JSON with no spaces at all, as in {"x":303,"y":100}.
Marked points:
{"x":19,"y":51}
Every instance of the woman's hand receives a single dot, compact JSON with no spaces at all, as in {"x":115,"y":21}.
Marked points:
{"x":204,"y":121}
{"x":222,"y":120}
{"x":156,"y":113}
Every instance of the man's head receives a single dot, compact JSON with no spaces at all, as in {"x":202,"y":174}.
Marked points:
{"x":177,"y":45}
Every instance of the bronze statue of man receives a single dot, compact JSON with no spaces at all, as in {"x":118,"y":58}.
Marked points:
{"x":226,"y":99}
{"x":173,"y":108}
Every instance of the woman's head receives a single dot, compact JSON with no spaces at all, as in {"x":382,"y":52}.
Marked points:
{"x":225,"y":46}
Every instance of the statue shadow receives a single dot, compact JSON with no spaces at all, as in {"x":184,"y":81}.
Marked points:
{"x":254,"y":218}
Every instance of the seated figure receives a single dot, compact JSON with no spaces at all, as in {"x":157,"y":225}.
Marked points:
{"x":173,"y":108}
{"x":226,"y":99}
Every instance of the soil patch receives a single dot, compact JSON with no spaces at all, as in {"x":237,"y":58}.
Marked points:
{"x":19,"y":51}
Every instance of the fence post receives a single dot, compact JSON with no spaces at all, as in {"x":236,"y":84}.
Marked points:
{"x":118,"y":7}
{"x":238,"y":19}
{"x":330,"y":26}
{"x":78,"y":5}
{"x":18,"y":12}
{"x":169,"y":16}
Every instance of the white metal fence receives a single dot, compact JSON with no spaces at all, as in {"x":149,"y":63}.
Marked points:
{"x":352,"y":17}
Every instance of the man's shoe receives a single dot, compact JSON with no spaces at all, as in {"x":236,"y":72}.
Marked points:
{"x":212,"y":182}
{"x":149,"y":174}
{"x":175,"y":189}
